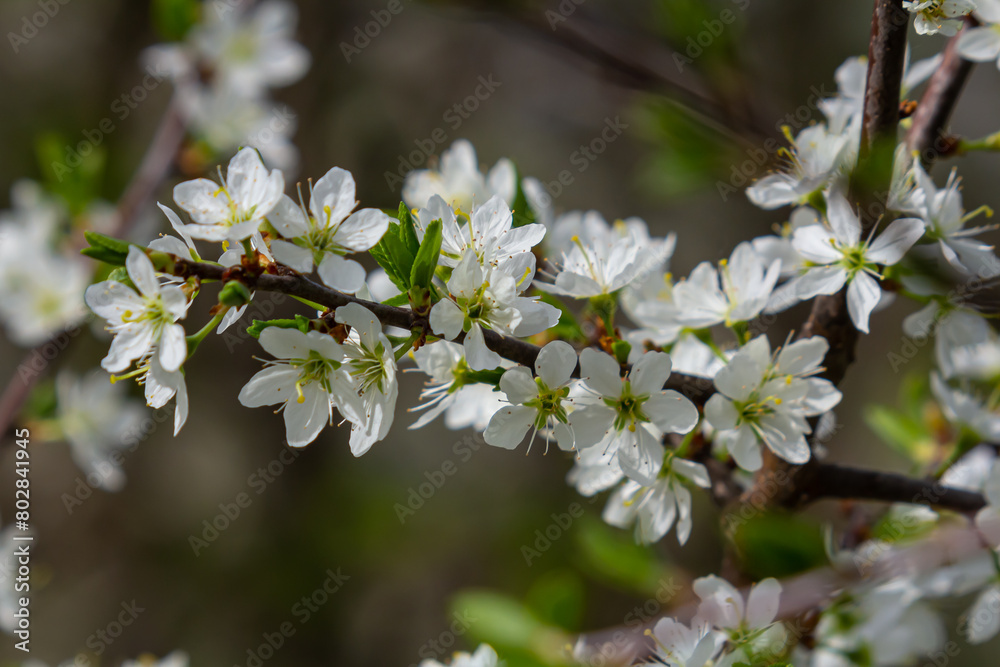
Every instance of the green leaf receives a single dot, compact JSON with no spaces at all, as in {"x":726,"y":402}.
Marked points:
{"x":778,"y":545}
{"x":426,"y":259}
{"x":105,"y":248}
{"x":523,"y":213}
{"x":614,"y":557}
{"x":301,"y":322}
{"x":568,"y":328}
{"x":904,"y":434}
{"x":399,"y":300}
{"x":407,"y":232}
{"x":501,"y":619}
{"x":172,"y":19}
{"x":557,"y":598}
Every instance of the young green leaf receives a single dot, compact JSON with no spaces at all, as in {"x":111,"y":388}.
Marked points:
{"x":427,"y":256}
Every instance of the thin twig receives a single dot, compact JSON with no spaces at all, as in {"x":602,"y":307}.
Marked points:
{"x":925,"y":134}
{"x":517,"y":350}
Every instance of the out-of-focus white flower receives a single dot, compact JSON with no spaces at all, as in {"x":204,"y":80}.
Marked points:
{"x":243,"y":47}
{"x":458,"y":181}
{"x":654,"y":509}
{"x":737,"y":292}
{"x":95,"y":417}
{"x":484,"y":656}
{"x":818,"y":155}
{"x":678,"y":645}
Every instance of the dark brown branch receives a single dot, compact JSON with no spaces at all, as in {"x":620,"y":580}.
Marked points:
{"x":886,"y":56}
{"x":695,"y":388}
{"x":925,"y":134}
{"x":831,"y":480}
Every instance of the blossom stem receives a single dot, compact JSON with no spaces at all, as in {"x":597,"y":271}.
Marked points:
{"x":194,"y":340}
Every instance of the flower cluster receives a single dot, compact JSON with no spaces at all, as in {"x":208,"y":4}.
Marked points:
{"x":225,"y":67}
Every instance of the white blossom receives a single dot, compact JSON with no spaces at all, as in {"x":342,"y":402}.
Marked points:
{"x":765,"y":399}
{"x":654,"y":509}
{"x":307,"y":379}
{"x":143,"y":321}
{"x":620,"y":409}
{"x":458,"y":181}
{"x":326,"y":231}
{"x":838,"y":256}
{"x":234,"y":210}
{"x":370,"y":360}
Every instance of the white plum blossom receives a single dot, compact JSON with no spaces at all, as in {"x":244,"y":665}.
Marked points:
{"x":244,"y":47}
{"x":818,"y":155}
{"x":944,"y":217}
{"x":677,"y":645}
{"x":602,"y":262}
{"x":487,"y":298}
{"x":143,"y":322}
{"x":765,"y":398}
{"x":161,"y":385}
{"x":458,"y":181}
{"x":370,"y":360}
{"x":938,"y":16}
{"x":484,"y":656}
{"x":837,"y":256}
{"x":737,"y":292}
{"x":307,"y":379}
{"x":619,"y":409}
{"x":96,"y":419}
{"x":453,"y":389}
{"x":537,"y":403}
{"x":654,"y":509}
{"x":489,"y":233}
{"x":326,"y":231}
{"x":234,"y":210}
{"x":748,"y":625}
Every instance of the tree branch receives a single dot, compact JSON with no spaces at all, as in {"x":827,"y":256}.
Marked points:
{"x":832,"y":480}
{"x":925,"y":134}
{"x":291,"y":283}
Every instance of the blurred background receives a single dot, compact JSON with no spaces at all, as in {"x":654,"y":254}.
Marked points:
{"x":453,"y":571}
